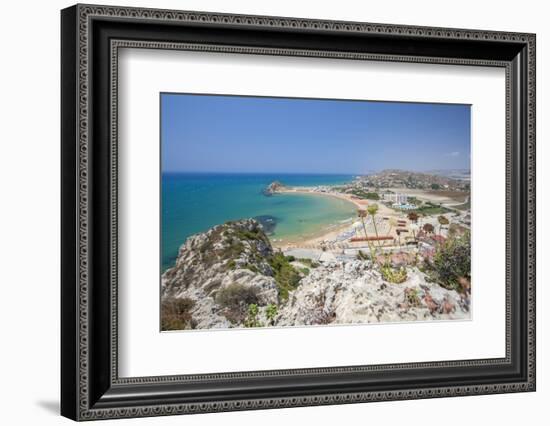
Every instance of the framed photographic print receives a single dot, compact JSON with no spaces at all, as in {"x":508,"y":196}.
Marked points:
{"x":263,"y":212}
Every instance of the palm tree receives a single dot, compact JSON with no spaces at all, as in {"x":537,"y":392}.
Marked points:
{"x":362,"y":214}
{"x":372,"y":209}
{"x":413,"y":217}
{"x":414,"y":227}
{"x":442,"y":221}
{"x":392,"y":224}
{"x":428,"y":228}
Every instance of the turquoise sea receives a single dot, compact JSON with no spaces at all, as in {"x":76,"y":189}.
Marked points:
{"x":194,"y":202}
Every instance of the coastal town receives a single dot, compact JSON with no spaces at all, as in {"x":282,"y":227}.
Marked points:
{"x":404,"y":256}
{"x":414,"y":212}
{"x":292,"y":212}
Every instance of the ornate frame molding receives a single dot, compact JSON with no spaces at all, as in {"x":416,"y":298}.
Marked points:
{"x":82,"y":16}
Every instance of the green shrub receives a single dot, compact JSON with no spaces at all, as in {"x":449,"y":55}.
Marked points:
{"x":232,"y":250}
{"x":364,"y":194}
{"x":308,"y":262}
{"x":395,"y":276}
{"x":252,"y":317}
{"x":372,"y":196}
{"x":451,"y":262}
{"x":412,"y":297}
{"x":236,"y":295}
{"x":271,"y":313}
{"x":254,"y":235}
{"x":286,"y":276}
{"x":235,"y":299}
{"x":252,"y":268}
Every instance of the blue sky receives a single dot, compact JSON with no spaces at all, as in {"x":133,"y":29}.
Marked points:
{"x":204,"y":133}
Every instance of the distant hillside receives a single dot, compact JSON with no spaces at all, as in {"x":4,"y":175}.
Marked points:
{"x":395,"y":178}
{"x":457,"y":174}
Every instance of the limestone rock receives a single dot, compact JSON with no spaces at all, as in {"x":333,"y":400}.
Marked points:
{"x":235,"y":253}
{"x":353,"y":293}
{"x":229,"y":269}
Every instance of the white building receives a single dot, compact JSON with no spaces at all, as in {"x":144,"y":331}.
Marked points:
{"x":395,"y":198}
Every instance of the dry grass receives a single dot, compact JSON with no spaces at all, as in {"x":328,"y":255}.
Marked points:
{"x":176,"y":314}
{"x":458,"y":196}
{"x":235,"y":300}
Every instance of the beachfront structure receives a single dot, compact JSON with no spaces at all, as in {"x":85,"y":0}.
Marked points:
{"x":395,"y":198}
{"x":404,"y":206}
{"x":399,"y":201}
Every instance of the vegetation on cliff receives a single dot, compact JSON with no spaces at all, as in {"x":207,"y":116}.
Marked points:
{"x":286,"y":275}
{"x":232,"y":272}
{"x":176,"y":313}
{"x":450,"y":266}
{"x":230,"y":276}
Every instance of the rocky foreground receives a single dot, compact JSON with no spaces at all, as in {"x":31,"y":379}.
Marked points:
{"x":230,"y":276}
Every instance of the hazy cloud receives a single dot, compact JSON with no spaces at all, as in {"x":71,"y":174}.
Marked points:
{"x":453,"y":154}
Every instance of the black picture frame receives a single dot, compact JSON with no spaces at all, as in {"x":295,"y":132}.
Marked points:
{"x":90,"y":386}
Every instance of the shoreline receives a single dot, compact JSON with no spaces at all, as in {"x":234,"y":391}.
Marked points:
{"x":334,"y":231}
{"x":314,"y":239}
{"x":327,"y":233}
{"x":309,"y":191}
{"x":336,"y":236}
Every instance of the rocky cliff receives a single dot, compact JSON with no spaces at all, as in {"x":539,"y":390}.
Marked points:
{"x":216,"y":268}
{"x":230,"y":276}
{"x":354,"y":293}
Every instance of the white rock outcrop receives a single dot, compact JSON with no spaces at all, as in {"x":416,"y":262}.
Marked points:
{"x":353,"y":293}
{"x":230,"y":254}
{"x":215,"y":268}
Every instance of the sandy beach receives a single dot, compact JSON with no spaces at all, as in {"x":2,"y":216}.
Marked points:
{"x":311,"y":191}
{"x":331,"y":233}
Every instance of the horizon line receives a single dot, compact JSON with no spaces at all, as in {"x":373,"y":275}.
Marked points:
{"x":306,"y":173}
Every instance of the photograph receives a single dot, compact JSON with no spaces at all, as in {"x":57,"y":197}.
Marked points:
{"x":293,"y":212}
{"x":265,"y":209}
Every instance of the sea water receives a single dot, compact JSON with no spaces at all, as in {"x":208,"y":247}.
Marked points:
{"x":195,"y":202}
